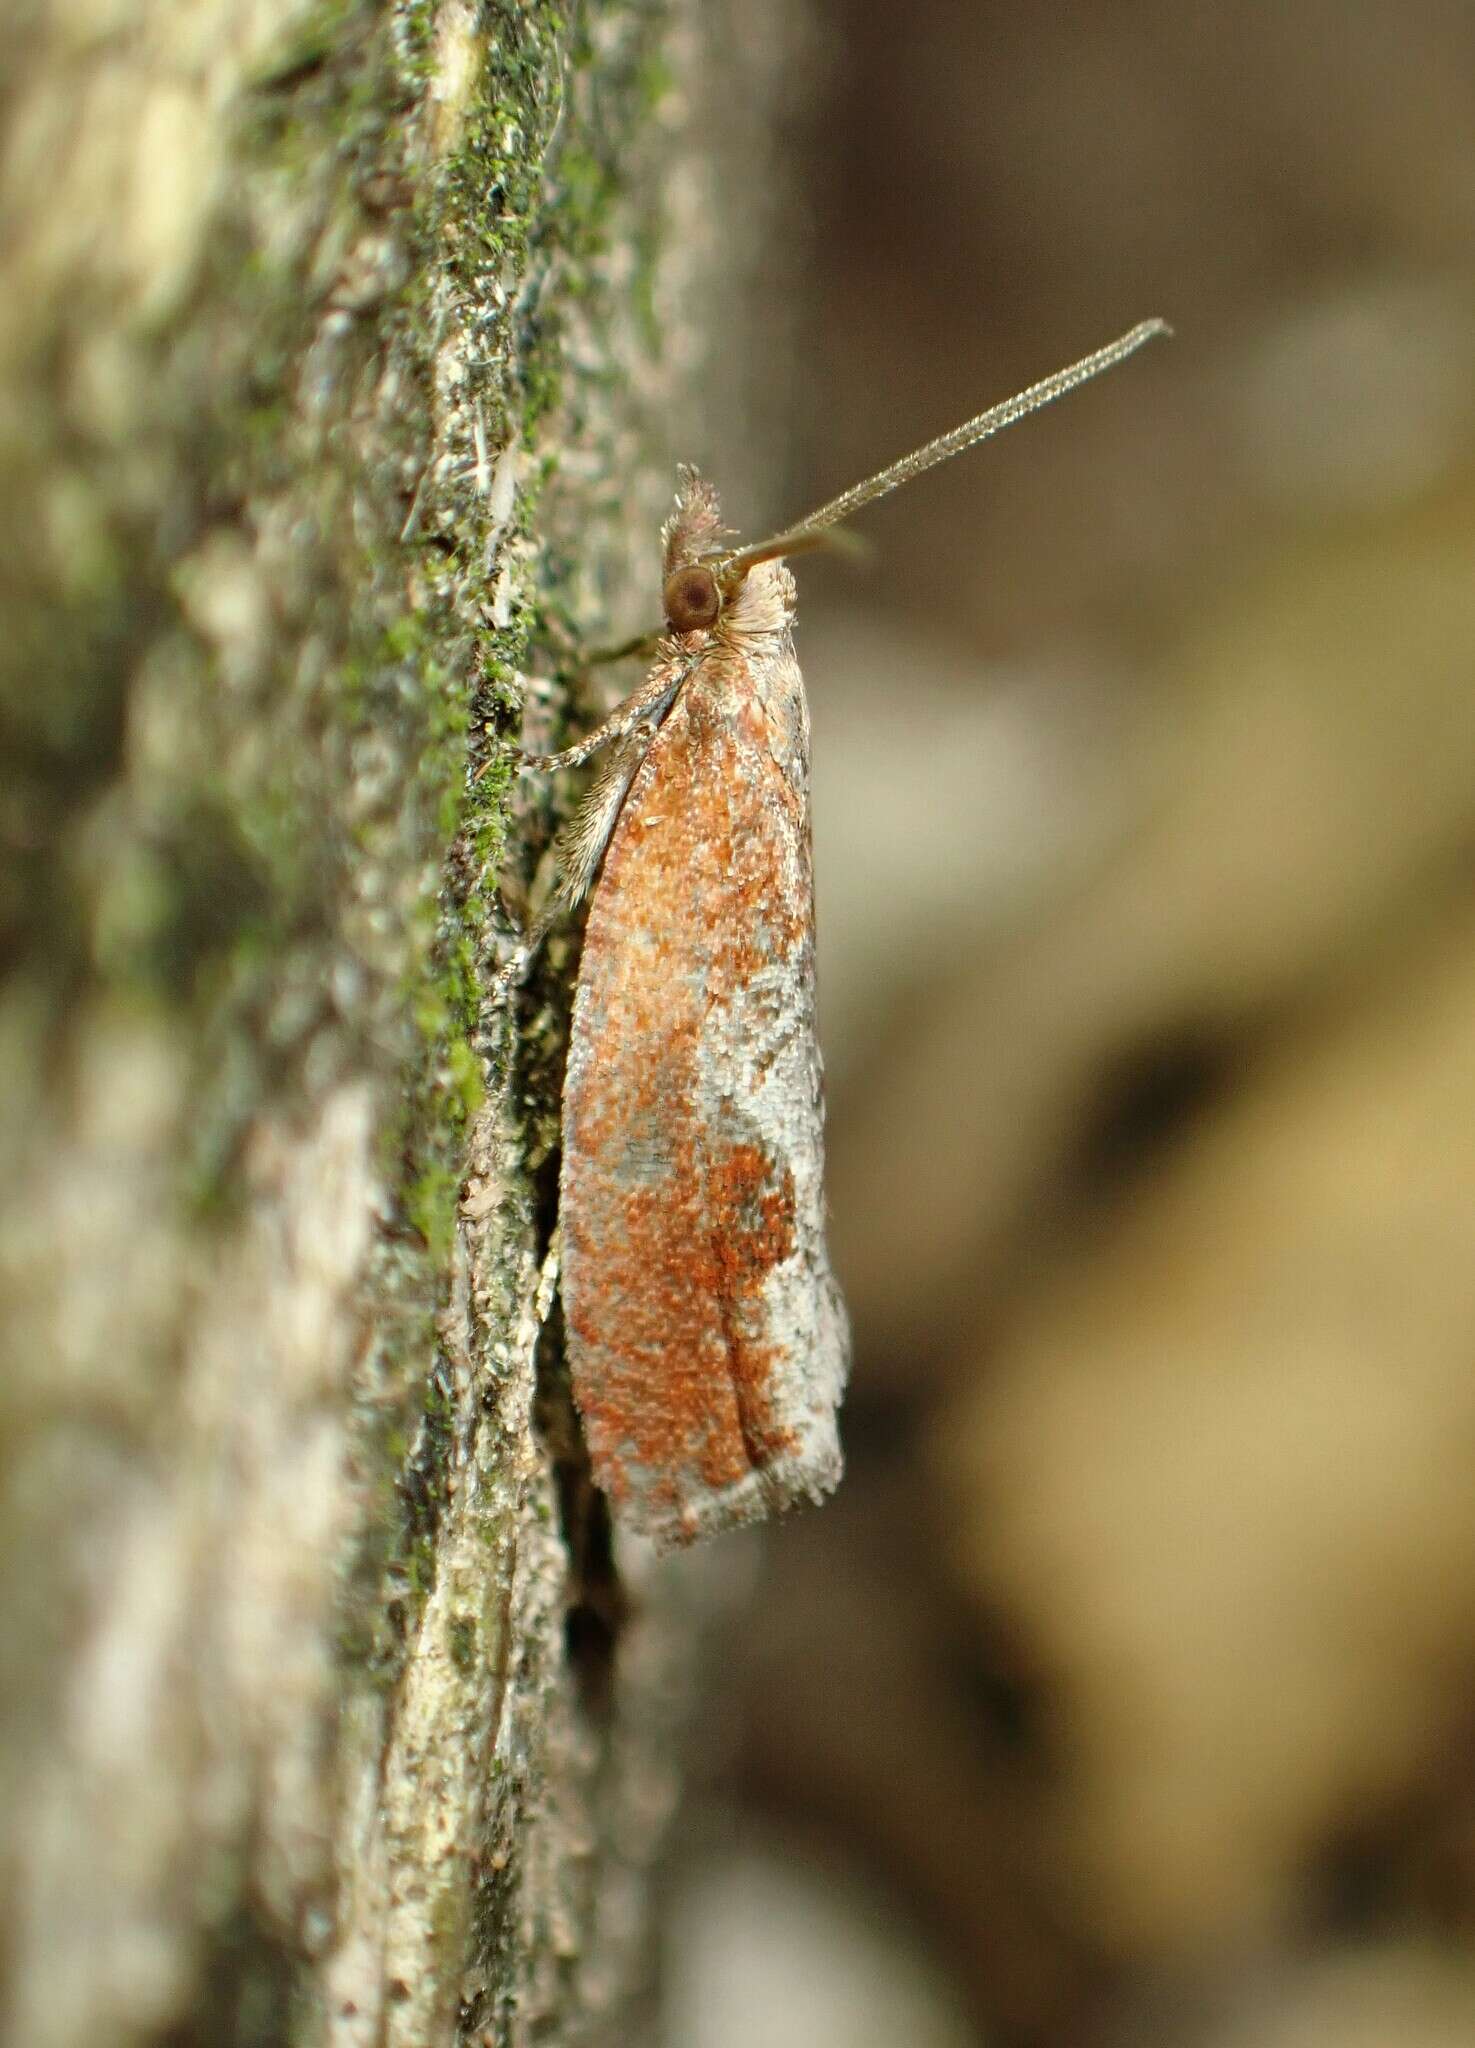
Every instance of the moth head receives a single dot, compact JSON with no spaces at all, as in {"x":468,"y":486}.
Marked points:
{"x":692,"y":599}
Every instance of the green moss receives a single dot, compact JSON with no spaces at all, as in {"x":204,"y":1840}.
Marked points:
{"x":430,"y":1203}
{"x":461,"y":1642}
{"x":497,"y":214}
{"x":466,"y":1077}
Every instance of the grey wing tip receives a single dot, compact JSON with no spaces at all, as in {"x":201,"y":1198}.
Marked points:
{"x":808,"y":1474}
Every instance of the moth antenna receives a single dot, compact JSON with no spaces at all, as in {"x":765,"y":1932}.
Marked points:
{"x":803,"y":540}
{"x":808,"y":533}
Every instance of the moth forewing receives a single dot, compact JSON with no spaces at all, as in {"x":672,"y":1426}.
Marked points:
{"x":707,"y":1343}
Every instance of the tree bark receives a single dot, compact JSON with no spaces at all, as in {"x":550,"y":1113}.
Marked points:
{"x":343,"y":350}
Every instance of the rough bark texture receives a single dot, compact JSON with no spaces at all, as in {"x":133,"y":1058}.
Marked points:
{"x":311,"y":1730}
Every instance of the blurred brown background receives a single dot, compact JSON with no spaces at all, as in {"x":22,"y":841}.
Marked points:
{"x":1124,"y":1693}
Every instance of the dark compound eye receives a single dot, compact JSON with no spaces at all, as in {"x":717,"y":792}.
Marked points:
{"x":692,"y":600}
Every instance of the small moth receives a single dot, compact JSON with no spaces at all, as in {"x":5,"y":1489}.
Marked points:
{"x":707,"y":1340}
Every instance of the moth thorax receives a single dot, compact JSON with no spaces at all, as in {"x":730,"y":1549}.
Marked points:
{"x":692,"y":599}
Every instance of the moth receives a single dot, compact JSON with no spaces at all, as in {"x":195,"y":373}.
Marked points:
{"x":707,"y":1341}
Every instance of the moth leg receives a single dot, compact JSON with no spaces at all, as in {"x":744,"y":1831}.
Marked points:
{"x":575,"y":658}
{"x":579,"y":847}
{"x":644,"y":645}
{"x":649,"y":701}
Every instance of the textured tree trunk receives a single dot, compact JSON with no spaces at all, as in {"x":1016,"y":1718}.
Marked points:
{"x":343,"y":350}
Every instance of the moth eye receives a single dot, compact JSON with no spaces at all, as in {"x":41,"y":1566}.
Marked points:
{"x":692,"y":600}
